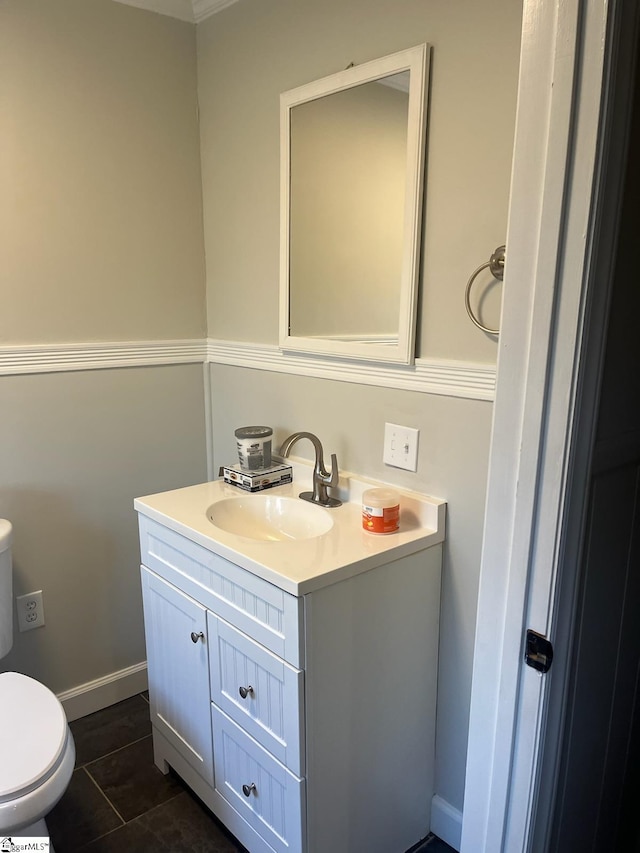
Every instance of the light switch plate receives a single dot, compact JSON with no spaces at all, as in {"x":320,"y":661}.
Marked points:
{"x":401,"y":447}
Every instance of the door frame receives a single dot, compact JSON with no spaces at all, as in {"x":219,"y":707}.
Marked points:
{"x":559,"y":214}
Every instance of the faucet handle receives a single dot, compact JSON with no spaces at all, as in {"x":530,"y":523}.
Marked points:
{"x":332,"y":478}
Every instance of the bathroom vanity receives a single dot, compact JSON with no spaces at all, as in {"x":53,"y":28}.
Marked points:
{"x":292,"y":681}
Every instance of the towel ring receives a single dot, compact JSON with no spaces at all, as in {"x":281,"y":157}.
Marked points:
{"x":496,"y":265}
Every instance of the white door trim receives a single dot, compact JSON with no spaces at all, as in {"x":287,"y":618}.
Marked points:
{"x":548,"y":244}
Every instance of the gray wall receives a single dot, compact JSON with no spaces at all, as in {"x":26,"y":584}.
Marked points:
{"x":75,"y":449}
{"x":100,"y":240}
{"x":252,"y":51}
{"x":100,"y":201}
{"x":452,"y":464}
{"x":249,"y":53}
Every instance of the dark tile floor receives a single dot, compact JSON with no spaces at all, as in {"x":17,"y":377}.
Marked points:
{"x":118,"y":801}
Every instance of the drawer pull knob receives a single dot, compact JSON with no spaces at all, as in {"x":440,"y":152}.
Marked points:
{"x":195,"y":637}
{"x":245,"y":691}
{"x":247,"y":789}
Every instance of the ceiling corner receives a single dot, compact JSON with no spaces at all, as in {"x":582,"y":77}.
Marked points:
{"x":180,"y":9}
{"x":193,"y":11}
{"x":205,"y":8}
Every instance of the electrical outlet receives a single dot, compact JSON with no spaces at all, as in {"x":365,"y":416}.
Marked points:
{"x":30,"y":611}
{"x":401,"y":447}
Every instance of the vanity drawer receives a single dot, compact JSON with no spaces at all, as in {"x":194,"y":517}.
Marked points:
{"x":262,"y":610}
{"x":270,"y":707}
{"x":272,"y":799}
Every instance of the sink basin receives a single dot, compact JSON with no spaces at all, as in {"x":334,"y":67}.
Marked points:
{"x":270,"y":518}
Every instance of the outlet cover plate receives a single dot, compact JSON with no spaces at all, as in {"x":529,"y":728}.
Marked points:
{"x":30,"y":609}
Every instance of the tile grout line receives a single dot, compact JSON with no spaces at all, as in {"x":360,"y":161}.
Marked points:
{"x":106,"y":798}
{"x":113,"y":752}
{"x":86,"y":769}
{"x":124,"y":746}
{"x":124,"y":822}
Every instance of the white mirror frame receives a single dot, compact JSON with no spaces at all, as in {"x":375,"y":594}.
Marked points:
{"x":416,"y":61}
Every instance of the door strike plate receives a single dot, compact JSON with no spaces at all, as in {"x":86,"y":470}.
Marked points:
{"x":538,"y":651}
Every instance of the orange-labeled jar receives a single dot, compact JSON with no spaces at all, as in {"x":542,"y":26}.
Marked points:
{"x":380,"y":510}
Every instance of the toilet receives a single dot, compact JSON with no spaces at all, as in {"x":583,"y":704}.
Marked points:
{"x":37,"y":752}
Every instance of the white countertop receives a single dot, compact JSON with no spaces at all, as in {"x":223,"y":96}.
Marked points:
{"x":303,"y":565}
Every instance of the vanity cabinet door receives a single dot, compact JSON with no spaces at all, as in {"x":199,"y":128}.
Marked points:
{"x":177,"y":663}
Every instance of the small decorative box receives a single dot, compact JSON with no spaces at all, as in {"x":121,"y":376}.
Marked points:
{"x":255,"y":481}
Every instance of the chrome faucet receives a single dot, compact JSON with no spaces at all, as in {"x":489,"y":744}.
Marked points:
{"x":321,"y":477}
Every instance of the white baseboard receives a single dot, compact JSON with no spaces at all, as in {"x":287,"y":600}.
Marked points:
{"x":96,"y":695}
{"x":446,"y":822}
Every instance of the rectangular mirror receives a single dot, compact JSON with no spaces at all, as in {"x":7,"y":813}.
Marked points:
{"x":352,"y":163}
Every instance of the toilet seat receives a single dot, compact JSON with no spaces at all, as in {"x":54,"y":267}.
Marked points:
{"x":33,"y":735}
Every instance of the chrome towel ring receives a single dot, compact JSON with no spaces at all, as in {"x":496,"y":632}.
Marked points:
{"x":496,"y":266}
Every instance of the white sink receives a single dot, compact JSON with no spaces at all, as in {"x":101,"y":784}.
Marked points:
{"x":270,"y":518}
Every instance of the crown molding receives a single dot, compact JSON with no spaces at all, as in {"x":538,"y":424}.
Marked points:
{"x":472,"y":381}
{"x":192,"y":11}
{"x":181,"y":9}
{"x":205,"y":8}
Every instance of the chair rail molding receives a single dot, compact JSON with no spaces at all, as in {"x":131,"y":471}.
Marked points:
{"x":470,"y":380}
{"x":98,"y":355}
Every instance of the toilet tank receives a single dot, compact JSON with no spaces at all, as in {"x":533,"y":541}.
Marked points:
{"x":6,"y":589}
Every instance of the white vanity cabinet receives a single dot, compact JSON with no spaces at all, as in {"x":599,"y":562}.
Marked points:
{"x":305,"y":722}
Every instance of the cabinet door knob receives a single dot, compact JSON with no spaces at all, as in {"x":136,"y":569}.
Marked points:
{"x":247,"y":789}
{"x":245,"y":691}
{"x":195,"y":637}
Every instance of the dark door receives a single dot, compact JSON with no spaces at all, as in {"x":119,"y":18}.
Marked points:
{"x":594,"y":804}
